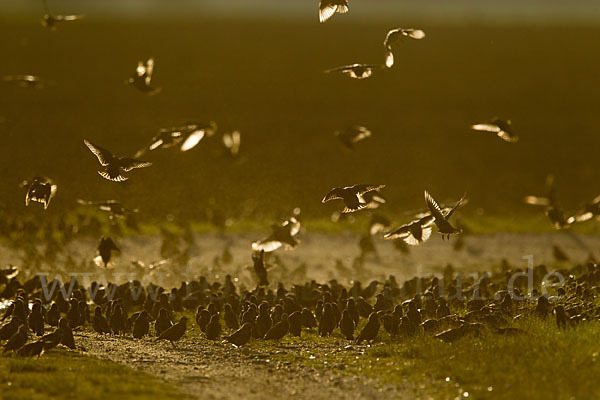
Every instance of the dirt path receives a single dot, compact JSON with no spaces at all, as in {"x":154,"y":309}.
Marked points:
{"x":219,"y":371}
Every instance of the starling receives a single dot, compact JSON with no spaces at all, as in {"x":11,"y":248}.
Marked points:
{"x":66,"y":338}
{"x":31,"y":349}
{"x":263,"y":322}
{"x":279,"y":330}
{"x":543,"y":307}
{"x":141,"y":326}
{"x":163,"y":322}
{"x":17,"y":340}
{"x":327,"y":323}
{"x":329,"y":7}
{"x":50,"y":20}
{"x":355,"y":71}
{"x":258,"y":258}
{"x":117,"y":320}
{"x":175,"y":332}
{"x":230,"y":318}
{"x":413,"y":313}
{"x":204,"y":319}
{"x":395,"y":35}
{"x":51,"y":340}
{"x":99,"y":323}
{"x":350,"y":136}
{"x":36,"y":320}
{"x":40,"y":189}
{"x":441,"y":220}
{"x":186,"y":137}
{"x":561,"y":317}
{"x":241,"y":336}
{"x":413,"y":233}
{"x":106,"y":246}
{"x":282,"y":235}
{"x":25,"y":81}
{"x":213,"y":329}
{"x":231,"y":142}
{"x":10,"y":328}
{"x":501,"y":128}
{"x":347,"y":325}
{"x":352,"y":196}
{"x":73,"y":315}
{"x":114,"y":166}
{"x":295,"y":323}
{"x":142,"y":78}
{"x":370,"y":330}
{"x":308,"y":319}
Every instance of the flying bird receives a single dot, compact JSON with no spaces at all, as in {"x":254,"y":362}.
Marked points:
{"x":355,"y":71}
{"x":114,"y":167}
{"x":395,"y":35}
{"x":186,"y":136}
{"x":282,"y":235}
{"x":142,"y":78}
{"x":113,"y":207}
{"x":49,"y":20}
{"x":441,"y":220}
{"x":350,"y":136}
{"x":502,"y":128}
{"x":352,"y":196}
{"x":40,"y":189}
{"x":231,"y":141}
{"x":552,"y":208}
{"x":329,"y":7}
{"x":589,"y":211}
{"x":25,"y":81}
{"x":415,"y":232}
{"x":106,"y":246}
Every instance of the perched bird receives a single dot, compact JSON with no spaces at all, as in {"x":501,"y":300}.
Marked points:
{"x":232,"y":142}
{"x":279,"y":330}
{"x":106,"y":246}
{"x":49,"y":20}
{"x":31,"y":349}
{"x":350,"y":136}
{"x":327,"y":322}
{"x":502,"y":128}
{"x":355,"y":71}
{"x":282,"y":235}
{"x":329,"y":7}
{"x":25,"y":81}
{"x":66,"y":337}
{"x":35,"y":320}
{"x":175,"y":332}
{"x":99,"y":323}
{"x":213,"y":329}
{"x":258,"y":258}
{"x":415,"y":232}
{"x":142,"y":78}
{"x":395,"y":35}
{"x":17,"y":340}
{"x":370,"y":330}
{"x":114,"y":167}
{"x":40,"y":189}
{"x":10,"y":328}
{"x":441,"y":220}
{"x":141,"y":326}
{"x":230,"y":318}
{"x":186,"y":137}
{"x":347,"y":325}
{"x":352,"y":196}
{"x":203,"y":317}
{"x":51,"y":340}
{"x":561,"y":317}
{"x":295,"y":323}
{"x":241,"y":336}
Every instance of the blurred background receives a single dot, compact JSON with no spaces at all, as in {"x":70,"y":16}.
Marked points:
{"x":256,"y":66}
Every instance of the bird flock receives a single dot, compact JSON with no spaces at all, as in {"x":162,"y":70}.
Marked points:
{"x":448,"y":308}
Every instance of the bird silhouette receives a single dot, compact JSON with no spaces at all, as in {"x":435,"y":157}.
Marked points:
{"x":282,"y":235}
{"x":106,"y":246}
{"x":175,"y":332}
{"x":355,"y":71}
{"x":241,"y":336}
{"x":502,"y":129}
{"x":441,"y":220}
{"x":415,"y":232}
{"x":329,"y":7}
{"x":114,"y":167}
{"x":352,"y":196}
{"x":49,"y":20}
{"x":370,"y":330}
{"x":394,"y":36}
{"x":350,"y":136}
{"x":40,"y":189}
{"x":142,"y":78}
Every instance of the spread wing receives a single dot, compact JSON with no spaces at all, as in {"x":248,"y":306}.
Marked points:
{"x":68,"y":17}
{"x":399,"y":233}
{"x":192,"y":140}
{"x":362,"y":189}
{"x":334,"y":194}
{"x":507,"y":136}
{"x":537,"y":201}
{"x":486,"y":128}
{"x":266,"y":245}
{"x":129,"y":164}
{"x":433,"y":206}
{"x":326,"y":10}
{"x":458,"y":203}
{"x":101,"y":154}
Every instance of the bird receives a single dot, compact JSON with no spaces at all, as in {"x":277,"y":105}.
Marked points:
{"x":99,"y":323}
{"x":31,"y":349}
{"x":114,"y":166}
{"x":327,"y":322}
{"x":370,"y":330}
{"x":230,"y":318}
{"x":393,"y":36}
{"x":175,"y":332}
{"x":355,"y":71}
{"x":329,"y":7}
{"x":66,"y":337}
{"x":25,"y":81}
{"x":258,"y":259}
{"x":113,"y":207}
{"x":231,"y":142}
{"x":35,"y":320}
{"x":241,"y":336}
{"x":589,"y":211}
{"x":213,"y":329}
{"x":163,"y":321}
{"x":502,"y":129}
{"x":142,"y":78}
{"x":553,"y":209}
{"x":347,"y":325}
{"x":352,"y":135}
{"x":51,"y":340}
{"x":106,"y":246}
{"x":17,"y":340}
{"x":279,"y":330}
{"x":49,"y":20}
{"x":282,"y":235}
{"x":352,"y":196}
{"x":186,"y":137}
{"x":441,"y":220}
{"x":141,"y":326}
{"x":415,"y":232}
{"x":40,"y":189}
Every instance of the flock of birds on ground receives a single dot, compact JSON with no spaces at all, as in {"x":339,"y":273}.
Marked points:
{"x":421,"y":306}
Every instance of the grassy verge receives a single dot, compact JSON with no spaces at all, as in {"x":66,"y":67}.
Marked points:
{"x":543,"y":364}
{"x":62,"y":374}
